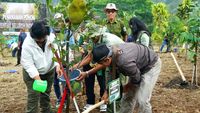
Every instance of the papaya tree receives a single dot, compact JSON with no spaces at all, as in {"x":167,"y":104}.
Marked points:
{"x":160,"y":20}
{"x":192,"y":37}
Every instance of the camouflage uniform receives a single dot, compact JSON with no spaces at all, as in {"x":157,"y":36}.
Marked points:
{"x":117,"y":28}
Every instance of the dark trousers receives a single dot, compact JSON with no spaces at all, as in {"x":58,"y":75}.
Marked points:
{"x":35,"y":97}
{"x":89,"y":84}
{"x":19,"y":51}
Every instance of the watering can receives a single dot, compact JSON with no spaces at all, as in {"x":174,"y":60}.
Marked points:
{"x":40,"y":85}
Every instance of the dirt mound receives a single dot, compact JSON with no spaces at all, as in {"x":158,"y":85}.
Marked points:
{"x":178,"y":83}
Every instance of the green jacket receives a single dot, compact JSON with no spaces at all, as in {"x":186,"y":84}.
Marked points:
{"x":117,"y":28}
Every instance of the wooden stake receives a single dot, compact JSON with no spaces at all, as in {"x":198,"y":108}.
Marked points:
{"x":179,"y":69}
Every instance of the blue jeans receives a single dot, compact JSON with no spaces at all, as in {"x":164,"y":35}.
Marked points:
{"x":163,"y":45}
{"x":57,"y":87}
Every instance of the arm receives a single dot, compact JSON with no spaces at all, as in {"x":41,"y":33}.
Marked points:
{"x":132,"y":71}
{"x":83,"y":75}
{"x":28,"y":64}
{"x":86,"y":60}
{"x":145,"y":39}
{"x":95,"y":69}
{"x":124,"y":32}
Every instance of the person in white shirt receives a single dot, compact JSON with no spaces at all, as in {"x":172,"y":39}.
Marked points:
{"x":37,"y":64}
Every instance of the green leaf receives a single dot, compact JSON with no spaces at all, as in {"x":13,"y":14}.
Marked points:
{"x":54,"y":59}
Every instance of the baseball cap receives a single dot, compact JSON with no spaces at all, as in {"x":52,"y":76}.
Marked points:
{"x":111,"y":6}
{"x":100,"y":52}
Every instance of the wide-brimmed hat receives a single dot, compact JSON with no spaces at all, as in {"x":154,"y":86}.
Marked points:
{"x":111,"y":6}
{"x":99,"y":31}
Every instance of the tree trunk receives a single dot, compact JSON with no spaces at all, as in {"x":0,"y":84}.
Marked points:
{"x":67,"y":67}
{"x":195,"y":77}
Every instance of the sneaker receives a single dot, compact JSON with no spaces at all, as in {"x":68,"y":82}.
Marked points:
{"x":103,"y":108}
{"x":87,"y":106}
{"x":16,"y":64}
{"x":57,"y":104}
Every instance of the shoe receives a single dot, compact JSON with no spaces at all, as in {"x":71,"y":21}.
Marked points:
{"x":16,"y":64}
{"x":87,"y":106}
{"x":57,"y":104}
{"x":103,"y":108}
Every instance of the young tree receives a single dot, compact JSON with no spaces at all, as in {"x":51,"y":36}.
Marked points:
{"x":192,"y":37}
{"x":184,"y":8}
{"x":160,"y":20}
{"x":174,"y":29}
{"x":76,"y":11}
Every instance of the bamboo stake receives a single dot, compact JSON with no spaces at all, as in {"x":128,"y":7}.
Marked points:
{"x":179,"y":69}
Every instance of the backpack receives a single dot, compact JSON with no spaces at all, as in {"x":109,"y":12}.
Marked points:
{"x":150,"y":41}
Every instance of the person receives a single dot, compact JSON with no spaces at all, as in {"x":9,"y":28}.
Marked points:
{"x":114,"y":25}
{"x":140,"y":32}
{"x":37,"y":64}
{"x":97,"y":37}
{"x":130,"y":38}
{"x":141,"y":64}
{"x":165,"y":43}
{"x":21,"y":39}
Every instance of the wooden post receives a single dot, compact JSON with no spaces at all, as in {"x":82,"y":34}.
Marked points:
{"x":179,"y":69}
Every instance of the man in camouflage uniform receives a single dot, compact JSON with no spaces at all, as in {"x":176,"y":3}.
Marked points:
{"x":115,"y":26}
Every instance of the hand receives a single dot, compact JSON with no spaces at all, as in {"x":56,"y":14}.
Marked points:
{"x":127,"y":87}
{"x":73,"y":67}
{"x":59,"y":71}
{"x":82,"y":76}
{"x":105,"y":97}
{"x":37,"y":77}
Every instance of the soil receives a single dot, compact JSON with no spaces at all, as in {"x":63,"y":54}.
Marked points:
{"x":170,"y":94}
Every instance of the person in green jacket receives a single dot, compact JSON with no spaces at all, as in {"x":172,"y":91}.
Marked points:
{"x":114,"y":25}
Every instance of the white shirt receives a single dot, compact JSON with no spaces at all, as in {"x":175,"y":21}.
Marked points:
{"x":34,"y":60}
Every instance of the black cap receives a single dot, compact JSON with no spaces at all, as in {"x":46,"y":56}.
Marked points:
{"x":100,"y":52}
